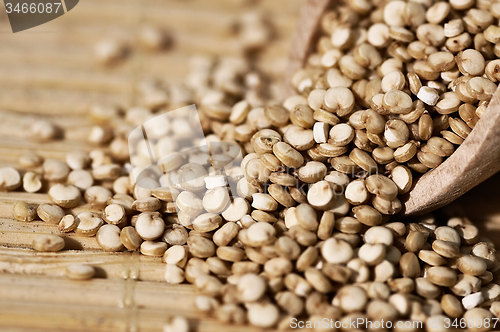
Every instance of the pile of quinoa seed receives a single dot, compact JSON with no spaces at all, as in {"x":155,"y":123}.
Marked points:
{"x":391,"y":90}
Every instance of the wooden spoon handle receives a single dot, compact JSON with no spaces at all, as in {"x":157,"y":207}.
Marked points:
{"x":477,"y":158}
{"x":307,"y":27}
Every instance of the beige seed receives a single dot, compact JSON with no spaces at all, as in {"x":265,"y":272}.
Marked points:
{"x":97,"y":196}
{"x":326,"y":225}
{"x":282,"y":195}
{"x":77,"y":160}
{"x":147,"y":204}
{"x":397,"y":102}
{"x":352,"y":299}
{"x":277,"y":267}
{"x":471,"y":265}
{"x":429,"y":159}
{"x":452,"y":137}
{"x":177,"y":324}
{"x":216,"y":200}
{"x":409,"y":265}
{"x":189,"y":203}
{"x":49,"y":213}
{"x":226,"y":234}
{"x":288,"y":155}
{"x":130,"y":238}
{"x":67,"y":224}
{"x":383,"y":155}
{"x":372,"y":254}
{"x":263,"y":314}
{"x":431,"y":258}
{"x":426,"y":289}
{"x":151,"y":248}
{"x":107,"y":172}
{"x":381,"y":186}
{"x":250,"y":288}
{"x":88,"y":223}
{"x":23,"y":211}
{"x":470,"y":62}
{"x":277,"y":115}
{"x":367,"y":215}
{"x":486,"y":252}
{"x":238,"y":208}
{"x":348,"y":225}
{"x":79,"y":271}
{"x":341,"y":134}
{"x":336,"y":251}
{"x":108,"y":237}
{"x":439,"y":146}
{"x":385,"y":206}
{"x":356,"y":192}
{"x":48,"y":243}
{"x":230,"y":254}
{"x":30,"y":160}
{"x":415,"y":241}
{"x":339,"y":100}
{"x":459,"y":127}
{"x":150,"y":225}
{"x":299,"y":138}
{"x":55,"y":170}
{"x":114,"y":214}
{"x":446,"y":249}
{"x":239,"y":112}
{"x":31,"y":182}
{"x":449,"y":234}
{"x":478,"y":315}
{"x":312,"y":172}
{"x":165,"y":194}
{"x":264,"y":202}
{"x":261,"y":233}
{"x":81,"y":179}
{"x":66,"y":196}
{"x":175,"y":234}
{"x":403,"y":178}
{"x":466,"y":284}
{"x":468,"y":233}
{"x":451,"y":306}
{"x":321,"y":196}
{"x":306,"y":217}
{"x":10,"y":179}
{"x":176,"y":255}
{"x":173,"y":274}
{"x":442,"y":276}
{"x":425,"y":128}
{"x":481,"y":88}
{"x":453,"y":28}
{"x":396,"y":133}
{"x":379,"y":235}
{"x":363,"y":160}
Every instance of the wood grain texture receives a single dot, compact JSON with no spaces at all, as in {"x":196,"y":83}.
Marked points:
{"x":475,"y":160}
{"x":303,"y":38}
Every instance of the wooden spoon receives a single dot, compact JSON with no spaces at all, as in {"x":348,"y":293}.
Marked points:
{"x":477,"y":158}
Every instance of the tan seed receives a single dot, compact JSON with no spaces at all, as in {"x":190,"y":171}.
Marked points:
{"x":48,"y":243}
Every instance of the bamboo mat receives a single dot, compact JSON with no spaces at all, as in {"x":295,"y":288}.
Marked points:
{"x":49,"y":72}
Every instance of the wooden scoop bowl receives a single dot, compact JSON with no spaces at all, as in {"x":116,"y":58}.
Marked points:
{"x":475,"y":160}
